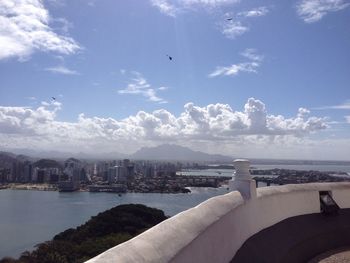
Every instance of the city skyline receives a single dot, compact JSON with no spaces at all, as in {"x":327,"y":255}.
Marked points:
{"x":230,"y":77}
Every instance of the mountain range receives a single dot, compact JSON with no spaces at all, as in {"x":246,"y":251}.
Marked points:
{"x":176,"y":153}
{"x":165,"y":152}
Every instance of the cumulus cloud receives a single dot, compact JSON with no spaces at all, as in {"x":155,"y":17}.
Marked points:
{"x":25,"y":28}
{"x":62,"y":70}
{"x":140,"y":86}
{"x":314,"y":10}
{"x":214,"y":122}
{"x":26,"y":121}
{"x":235,"y":69}
{"x":255,"y":12}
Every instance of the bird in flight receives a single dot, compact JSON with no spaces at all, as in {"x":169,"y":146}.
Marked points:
{"x":53,"y":98}
{"x":229,"y":19}
{"x":170,"y":58}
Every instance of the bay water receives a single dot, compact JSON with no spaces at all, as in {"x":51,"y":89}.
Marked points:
{"x":28,"y":218}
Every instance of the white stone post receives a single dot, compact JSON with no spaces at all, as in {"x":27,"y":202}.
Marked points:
{"x":243,"y":181}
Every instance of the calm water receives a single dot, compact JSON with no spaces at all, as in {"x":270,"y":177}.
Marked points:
{"x":31,"y":217}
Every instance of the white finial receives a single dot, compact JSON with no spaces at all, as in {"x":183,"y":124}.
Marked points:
{"x":242,"y":169}
{"x":243,"y":181}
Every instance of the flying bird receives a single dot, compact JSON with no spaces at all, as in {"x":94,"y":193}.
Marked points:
{"x":53,"y":98}
{"x":170,"y":58}
{"x":229,"y":19}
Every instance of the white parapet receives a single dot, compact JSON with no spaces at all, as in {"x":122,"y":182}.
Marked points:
{"x":243,"y":181}
{"x":214,"y":230}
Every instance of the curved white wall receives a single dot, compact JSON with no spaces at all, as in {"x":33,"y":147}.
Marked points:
{"x":214,"y":230}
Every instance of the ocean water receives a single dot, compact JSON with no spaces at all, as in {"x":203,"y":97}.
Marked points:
{"x":31,"y":217}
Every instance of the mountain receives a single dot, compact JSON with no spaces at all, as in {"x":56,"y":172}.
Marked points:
{"x":47,"y":163}
{"x":61,"y":155}
{"x":176,"y":153}
{"x":7,"y":159}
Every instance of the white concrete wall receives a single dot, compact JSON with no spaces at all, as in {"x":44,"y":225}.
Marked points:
{"x":214,"y":230}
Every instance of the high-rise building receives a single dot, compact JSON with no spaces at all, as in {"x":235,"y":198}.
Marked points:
{"x":148,"y":171}
{"x":112,"y":175}
{"x":28,"y":171}
{"x":17,"y":171}
{"x":117,"y":174}
{"x":40,"y":176}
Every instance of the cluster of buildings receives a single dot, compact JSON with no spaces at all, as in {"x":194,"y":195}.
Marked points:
{"x":103,"y":176}
{"x":288,"y":176}
{"x":71,"y":172}
{"x":28,"y":173}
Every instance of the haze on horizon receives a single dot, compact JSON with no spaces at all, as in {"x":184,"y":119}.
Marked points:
{"x":95,"y":76}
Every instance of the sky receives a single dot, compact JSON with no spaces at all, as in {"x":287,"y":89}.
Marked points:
{"x":254,"y":79}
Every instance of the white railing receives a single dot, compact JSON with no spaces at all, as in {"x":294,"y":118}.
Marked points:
{"x":214,"y":230}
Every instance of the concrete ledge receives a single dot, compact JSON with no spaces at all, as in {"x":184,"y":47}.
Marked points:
{"x":217,"y":228}
{"x":164,"y":241}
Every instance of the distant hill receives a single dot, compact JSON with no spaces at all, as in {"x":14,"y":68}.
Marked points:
{"x":47,"y":163}
{"x":7,"y":159}
{"x":72,"y":159}
{"x":177,"y":153}
{"x":61,"y":155}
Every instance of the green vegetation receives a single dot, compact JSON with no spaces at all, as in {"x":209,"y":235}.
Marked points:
{"x":100,"y":233}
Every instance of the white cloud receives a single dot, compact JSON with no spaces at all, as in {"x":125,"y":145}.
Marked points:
{"x":251,"y":53}
{"x":62,"y":70}
{"x":235,"y":69}
{"x":163,"y":88}
{"x":302,"y":112}
{"x":255,"y":12}
{"x":347,"y":118}
{"x":215,"y":124}
{"x":25,"y":28}
{"x":230,"y":28}
{"x":314,"y":10}
{"x":234,"y":26}
{"x":233,"y":29}
{"x":165,"y":7}
{"x":140,"y":86}
{"x":342,"y":106}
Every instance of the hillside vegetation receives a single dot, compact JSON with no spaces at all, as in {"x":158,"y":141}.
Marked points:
{"x":100,"y":233}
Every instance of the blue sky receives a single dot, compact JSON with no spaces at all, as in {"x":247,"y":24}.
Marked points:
{"x":246,"y":78}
